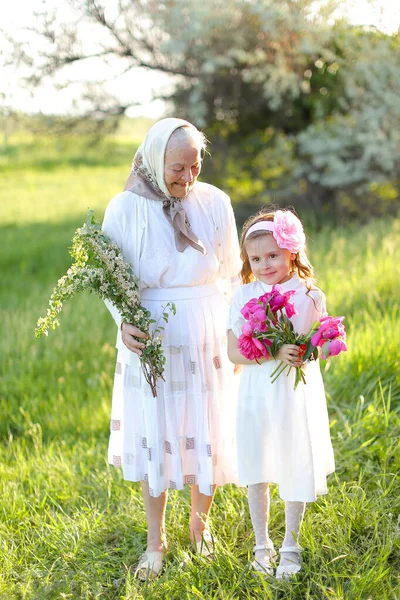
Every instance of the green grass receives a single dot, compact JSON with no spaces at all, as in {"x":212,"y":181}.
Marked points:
{"x":69,"y":526}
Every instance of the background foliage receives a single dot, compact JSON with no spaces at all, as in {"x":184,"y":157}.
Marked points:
{"x":300,"y":106}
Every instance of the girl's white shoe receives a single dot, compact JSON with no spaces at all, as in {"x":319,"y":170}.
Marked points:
{"x":264,"y":563}
{"x":289,"y":565}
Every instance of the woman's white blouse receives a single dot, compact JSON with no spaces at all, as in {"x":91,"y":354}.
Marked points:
{"x":140,"y":228}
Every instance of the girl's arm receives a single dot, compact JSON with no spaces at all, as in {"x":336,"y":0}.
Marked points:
{"x":233,"y":352}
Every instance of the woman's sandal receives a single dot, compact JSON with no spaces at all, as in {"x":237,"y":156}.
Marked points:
{"x":206,"y":546}
{"x":150,"y":565}
{"x":264,"y":564}
{"x":285,"y":571}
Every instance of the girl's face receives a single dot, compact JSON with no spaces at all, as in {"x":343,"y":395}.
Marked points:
{"x":182,"y":166}
{"x":269,"y":263}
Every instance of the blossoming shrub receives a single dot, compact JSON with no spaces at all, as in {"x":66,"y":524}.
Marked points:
{"x":100,"y":267}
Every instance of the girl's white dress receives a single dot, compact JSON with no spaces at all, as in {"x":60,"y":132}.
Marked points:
{"x":282,"y":433}
{"x":186,"y":435}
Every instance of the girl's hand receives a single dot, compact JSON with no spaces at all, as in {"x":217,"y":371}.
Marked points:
{"x":289,"y":354}
{"x":129,"y":333}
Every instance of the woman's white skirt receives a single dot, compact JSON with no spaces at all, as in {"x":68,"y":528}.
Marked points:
{"x":186,"y":435}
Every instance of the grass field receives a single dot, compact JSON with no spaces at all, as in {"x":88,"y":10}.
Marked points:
{"x":69,"y":526}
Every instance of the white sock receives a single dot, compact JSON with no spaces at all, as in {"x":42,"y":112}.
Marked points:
{"x":294,"y":513}
{"x":259,"y":502}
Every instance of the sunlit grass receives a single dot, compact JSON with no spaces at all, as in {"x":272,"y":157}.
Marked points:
{"x":71,"y":528}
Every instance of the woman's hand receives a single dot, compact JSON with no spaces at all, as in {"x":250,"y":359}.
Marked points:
{"x":128,"y":333}
{"x":290,"y":354}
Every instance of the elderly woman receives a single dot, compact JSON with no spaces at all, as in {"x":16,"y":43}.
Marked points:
{"x":180,"y":236}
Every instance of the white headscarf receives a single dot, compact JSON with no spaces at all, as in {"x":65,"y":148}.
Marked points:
{"x":153,"y":147}
{"x":147,"y":179}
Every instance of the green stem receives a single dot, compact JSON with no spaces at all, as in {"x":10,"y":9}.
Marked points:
{"x":278,"y":371}
{"x":300,"y":376}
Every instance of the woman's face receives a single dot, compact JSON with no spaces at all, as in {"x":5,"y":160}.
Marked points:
{"x":182,"y":165}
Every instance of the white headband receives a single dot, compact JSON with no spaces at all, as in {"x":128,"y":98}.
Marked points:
{"x":286,"y":228}
{"x":260,"y":225}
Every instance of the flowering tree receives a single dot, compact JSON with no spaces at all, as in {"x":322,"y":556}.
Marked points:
{"x":359,"y":143}
{"x":220,"y":53}
{"x":296,"y":107}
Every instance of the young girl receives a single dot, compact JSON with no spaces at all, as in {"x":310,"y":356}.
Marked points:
{"x":282,"y":433}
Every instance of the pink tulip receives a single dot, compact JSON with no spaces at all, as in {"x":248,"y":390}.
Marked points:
{"x":258,"y":314}
{"x":257,"y":324}
{"x":277,"y":302}
{"x":336,"y":347}
{"x":247,"y":348}
{"x":254,"y":312}
{"x":290,"y":310}
{"x":333,"y":331}
{"x":331,"y":327}
{"x":278,"y":299}
{"x":277,"y":290}
{"x":248,"y":307}
{"x":265,"y":298}
{"x":247,"y":330}
{"x":261,"y":346}
{"x":250,"y":347}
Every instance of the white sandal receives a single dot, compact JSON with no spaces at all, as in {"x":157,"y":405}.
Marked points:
{"x":286,"y":571}
{"x":150,"y":565}
{"x":264,"y":565}
{"x":206,"y":546}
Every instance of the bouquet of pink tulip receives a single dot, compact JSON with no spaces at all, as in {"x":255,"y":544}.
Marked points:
{"x":269,"y":327}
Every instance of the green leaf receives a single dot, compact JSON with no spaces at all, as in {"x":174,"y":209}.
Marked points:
{"x":309,"y":351}
{"x":325,"y":348}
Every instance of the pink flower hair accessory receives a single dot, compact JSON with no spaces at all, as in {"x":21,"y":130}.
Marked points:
{"x":288,"y":231}
{"x":286,"y":228}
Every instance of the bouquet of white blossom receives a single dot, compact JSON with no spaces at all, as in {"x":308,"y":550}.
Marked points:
{"x":100,"y":267}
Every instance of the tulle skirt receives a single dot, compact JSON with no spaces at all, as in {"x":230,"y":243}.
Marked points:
{"x":186,"y":435}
